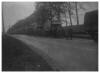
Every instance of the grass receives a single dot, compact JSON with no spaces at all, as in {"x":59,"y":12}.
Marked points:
{"x":17,"y":56}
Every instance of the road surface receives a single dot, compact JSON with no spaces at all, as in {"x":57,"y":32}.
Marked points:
{"x":65,"y":55}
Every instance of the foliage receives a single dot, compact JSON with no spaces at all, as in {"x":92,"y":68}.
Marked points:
{"x":45,"y":11}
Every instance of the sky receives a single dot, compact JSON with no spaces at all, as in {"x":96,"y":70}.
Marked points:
{"x":15,"y":11}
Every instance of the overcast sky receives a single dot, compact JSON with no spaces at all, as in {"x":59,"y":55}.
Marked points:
{"x":14,"y":11}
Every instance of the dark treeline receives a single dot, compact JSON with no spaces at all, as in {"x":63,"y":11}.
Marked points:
{"x":46,"y":19}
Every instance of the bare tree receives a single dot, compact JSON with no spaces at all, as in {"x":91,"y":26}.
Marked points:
{"x":77,"y":13}
{"x":48,"y":10}
{"x":69,"y":11}
{"x":52,"y":10}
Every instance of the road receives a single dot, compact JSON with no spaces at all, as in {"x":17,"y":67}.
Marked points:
{"x":65,"y":55}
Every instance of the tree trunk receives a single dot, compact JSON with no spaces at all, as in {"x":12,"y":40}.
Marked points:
{"x":66,"y":19}
{"x":77,"y":14}
{"x":69,"y":11}
{"x":50,"y":21}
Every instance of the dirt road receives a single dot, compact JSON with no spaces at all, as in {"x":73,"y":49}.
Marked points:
{"x":66,"y":55}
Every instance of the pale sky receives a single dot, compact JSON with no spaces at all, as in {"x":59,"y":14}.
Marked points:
{"x":14,"y":11}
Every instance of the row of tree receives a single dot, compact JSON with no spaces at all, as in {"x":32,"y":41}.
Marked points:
{"x":49,"y":11}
